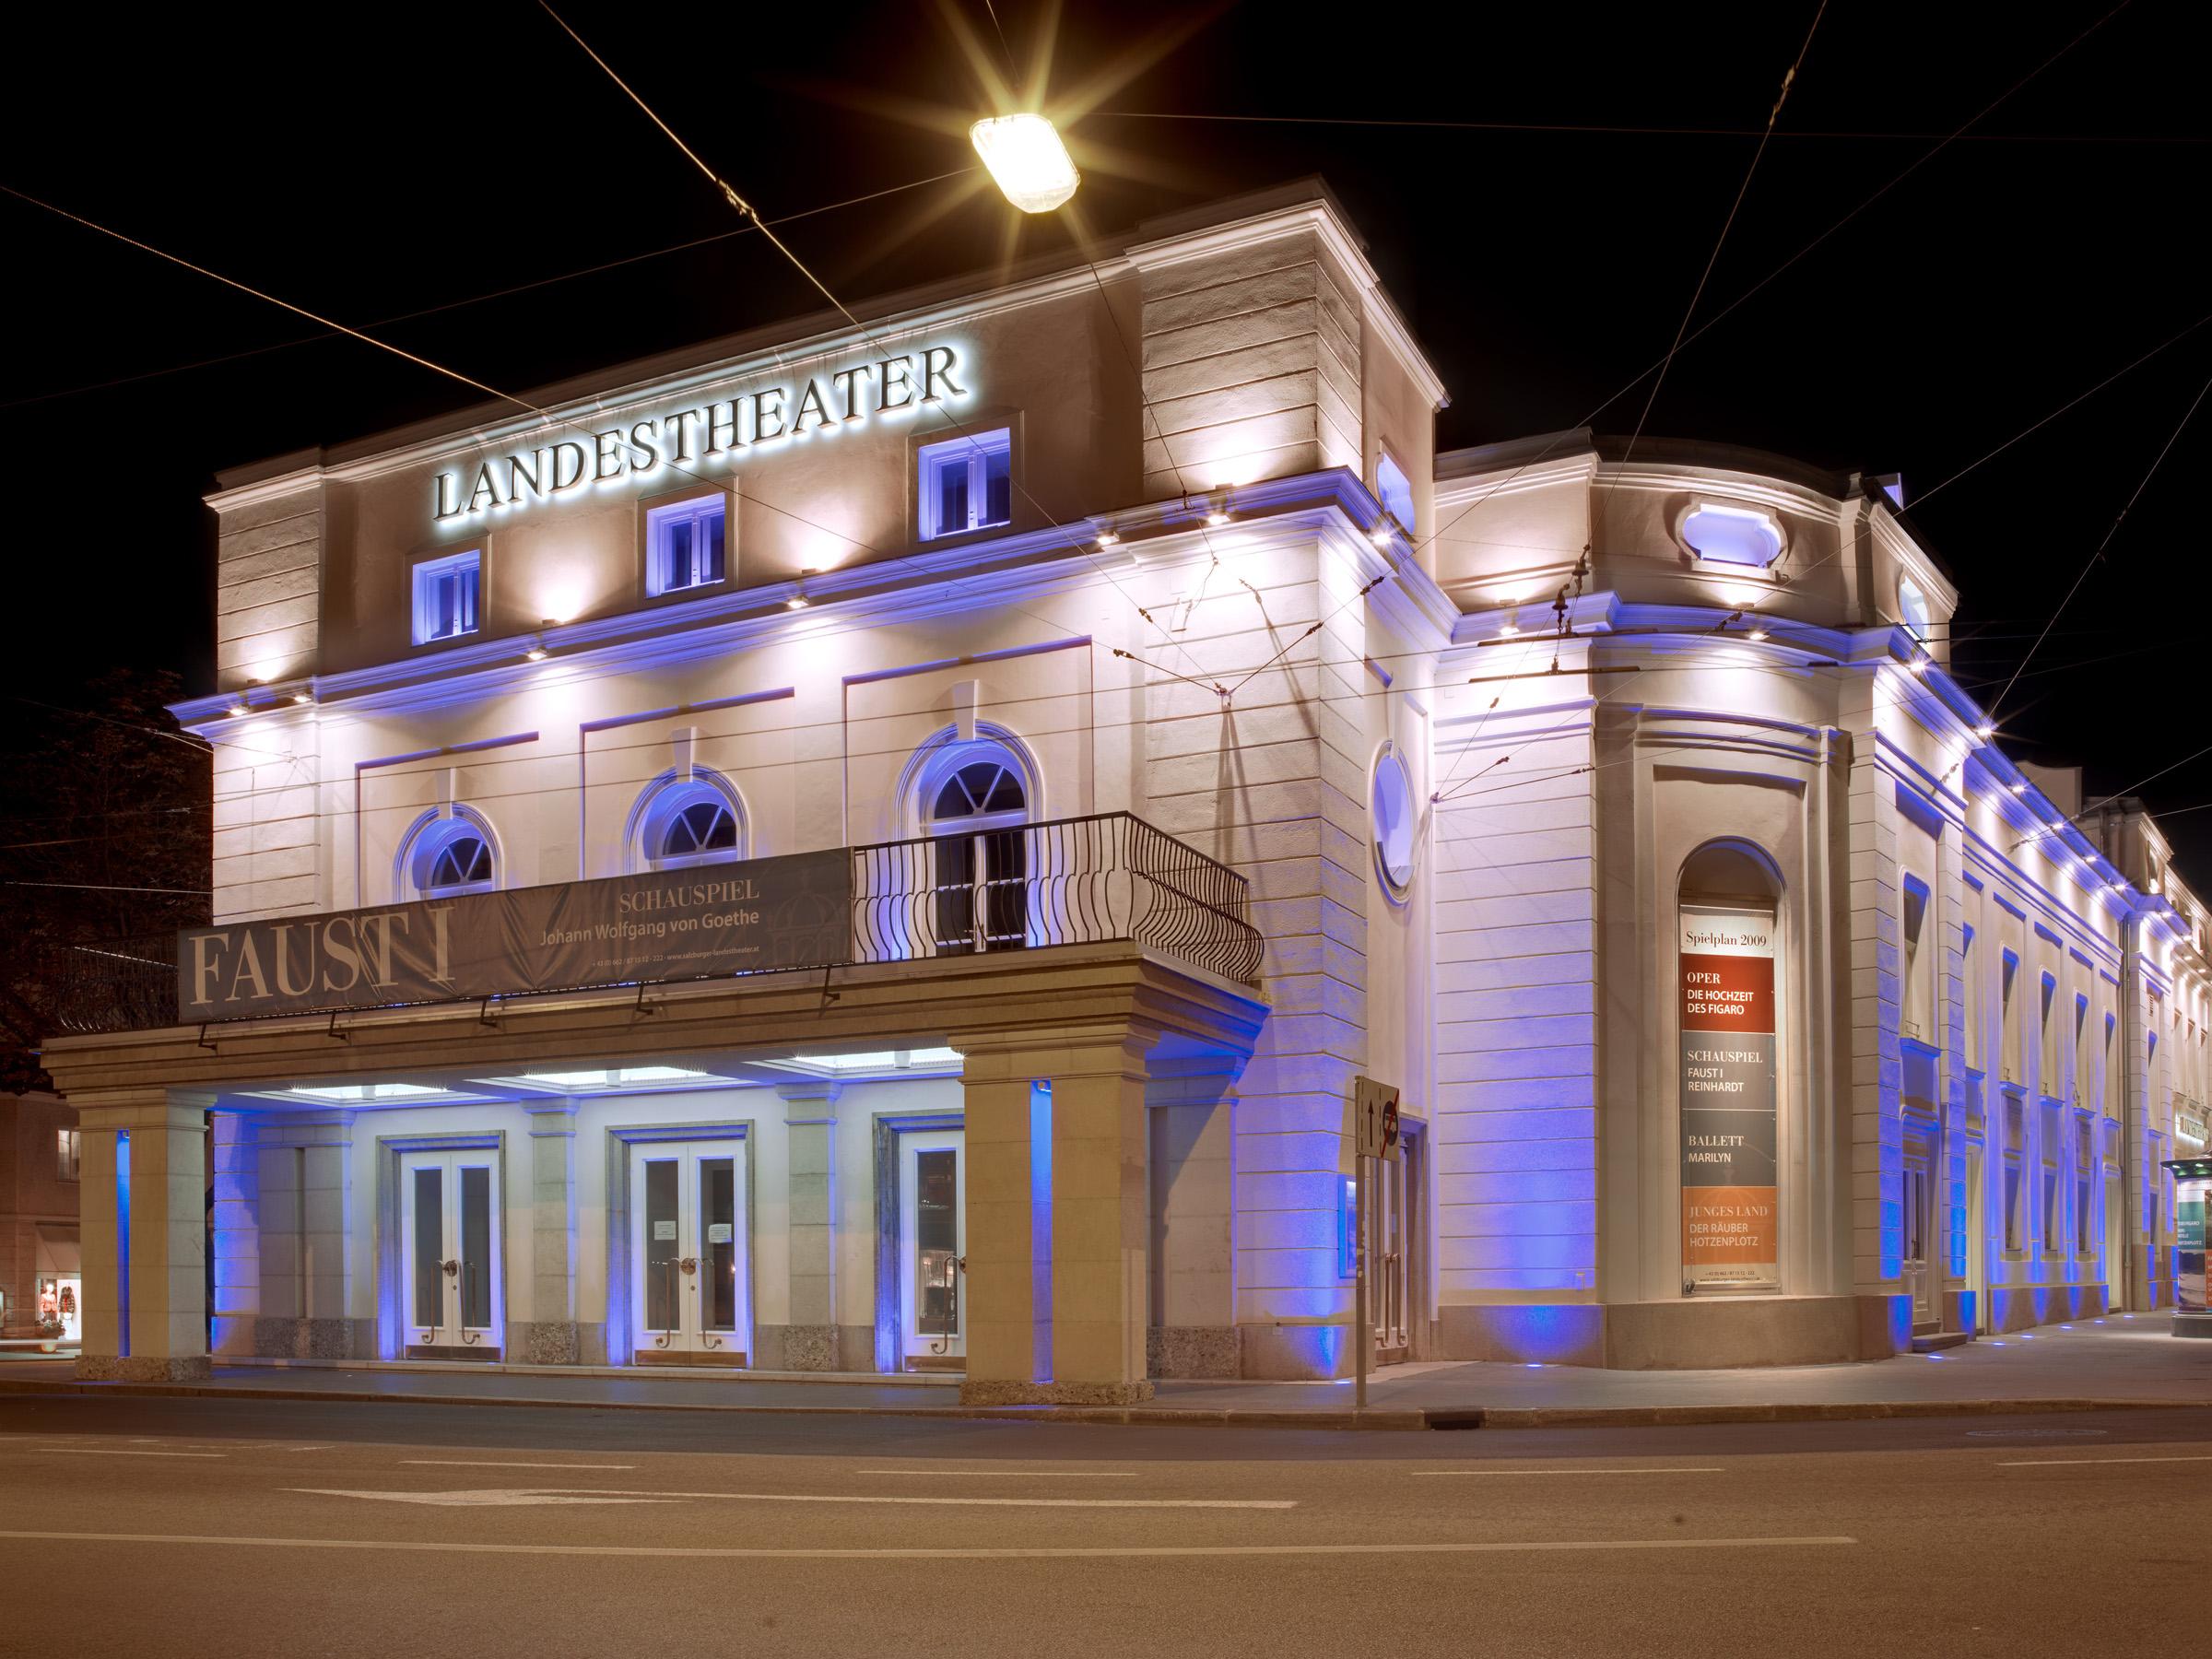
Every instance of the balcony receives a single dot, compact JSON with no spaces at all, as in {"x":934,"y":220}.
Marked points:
{"x":1103,"y":880}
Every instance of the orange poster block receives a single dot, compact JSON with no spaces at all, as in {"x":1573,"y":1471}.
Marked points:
{"x":1729,"y":1227}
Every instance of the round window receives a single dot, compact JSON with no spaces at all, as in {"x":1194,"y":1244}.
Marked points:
{"x":1391,"y":821}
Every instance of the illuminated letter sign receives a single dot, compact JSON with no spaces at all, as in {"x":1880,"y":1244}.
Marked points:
{"x":703,"y":436}
{"x":1726,"y":973}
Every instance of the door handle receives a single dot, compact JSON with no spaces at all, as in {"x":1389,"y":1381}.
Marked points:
{"x":689,"y":1264}
{"x":452,"y":1267}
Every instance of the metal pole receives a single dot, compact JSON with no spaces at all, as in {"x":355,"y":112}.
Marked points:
{"x":1360,"y":1340}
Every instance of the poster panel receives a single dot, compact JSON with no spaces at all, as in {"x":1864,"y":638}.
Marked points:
{"x":1726,"y":991}
{"x":744,"y":917}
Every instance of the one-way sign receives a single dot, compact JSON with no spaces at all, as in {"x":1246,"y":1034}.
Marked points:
{"x":1375,"y":1119}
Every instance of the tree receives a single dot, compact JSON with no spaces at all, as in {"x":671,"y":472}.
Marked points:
{"x":105,"y":849}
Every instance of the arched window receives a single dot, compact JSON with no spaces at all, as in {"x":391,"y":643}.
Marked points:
{"x":448,"y":853}
{"x":683,"y":822}
{"x":974,"y":799}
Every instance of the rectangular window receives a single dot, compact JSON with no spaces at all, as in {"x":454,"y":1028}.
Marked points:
{"x":2012,"y":1207}
{"x":1918,"y":1017}
{"x":68,"y":1150}
{"x":2050,"y":1209}
{"x":684,"y":545}
{"x":446,"y":595}
{"x":1970,"y":992}
{"x":967,"y":483}
{"x":2046,"y":1073}
{"x":2008,"y":1027}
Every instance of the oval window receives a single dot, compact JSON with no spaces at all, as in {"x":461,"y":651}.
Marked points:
{"x":1912,"y":607}
{"x":1390,"y":816}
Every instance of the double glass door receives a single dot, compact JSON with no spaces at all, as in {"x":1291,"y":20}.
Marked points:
{"x":1388,"y":1286}
{"x":689,"y":1278}
{"x":450,"y":1220}
{"x":1919,"y":1283}
{"x":932,"y":1241}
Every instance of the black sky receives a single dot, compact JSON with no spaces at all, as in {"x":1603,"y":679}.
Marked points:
{"x":395,"y":159}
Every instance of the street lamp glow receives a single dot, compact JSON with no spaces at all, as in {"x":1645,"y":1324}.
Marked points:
{"x":1027,"y":161}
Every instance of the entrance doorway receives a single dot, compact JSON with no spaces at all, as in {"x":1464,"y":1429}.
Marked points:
{"x":1918,"y":1281}
{"x":450,"y":1222}
{"x":1392,"y":1233}
{"x":933,"y":1245}
{"x":689,"y":1278}
{"x":2116,"y":1242}
{"x":1977,"y":1241}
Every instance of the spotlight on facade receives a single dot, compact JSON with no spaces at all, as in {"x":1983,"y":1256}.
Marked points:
{"x":799,"y":600}
{"x":1107,"y":538}
{"x":1507,"y":631}
{"x":1757,"y":634}
{"x":1216,"y":517}
{"x":1987,"y":729}
{"x":238,"y":708}
{"x":1028,"y":162}
{"x":303,"y":698}
{"x":1380,"y":534}
{"x":2019,"y":789}
{"x":536,"y":654}
{"x":1919,"y":666}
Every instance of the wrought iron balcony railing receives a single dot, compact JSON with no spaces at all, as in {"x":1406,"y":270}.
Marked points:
{"x":1022,"y":887}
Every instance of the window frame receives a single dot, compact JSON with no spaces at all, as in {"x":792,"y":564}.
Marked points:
{"x":666,"y":799}
{"x":426,"y":841}
{"x":427,"y":569}
{"x":693,"y":506}
{"x":68,"y":1154}
{"x":977,"y":444}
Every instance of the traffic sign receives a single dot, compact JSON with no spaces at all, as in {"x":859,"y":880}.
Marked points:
{"x":1375,"y":1119}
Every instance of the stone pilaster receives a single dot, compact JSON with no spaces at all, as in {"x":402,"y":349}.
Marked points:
{"x":810,"y":1340}
{"x":146,"y":1318}
{"x":1193,"y":1327}
{"x":551,"y":1335}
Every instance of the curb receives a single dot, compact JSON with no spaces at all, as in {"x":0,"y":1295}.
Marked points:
{"x":1171,"y":1416}
{"x":1649,"y":1417}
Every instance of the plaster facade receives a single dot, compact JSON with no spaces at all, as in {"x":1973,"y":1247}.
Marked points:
{"x":1228,"y":587}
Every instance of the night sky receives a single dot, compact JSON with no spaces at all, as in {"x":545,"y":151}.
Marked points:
{"x":406,"y":175}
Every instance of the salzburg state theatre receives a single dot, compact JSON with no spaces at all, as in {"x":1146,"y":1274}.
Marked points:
{"x":889,"y":848}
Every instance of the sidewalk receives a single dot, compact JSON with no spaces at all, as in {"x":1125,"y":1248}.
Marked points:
{"x":2114,"y":1363}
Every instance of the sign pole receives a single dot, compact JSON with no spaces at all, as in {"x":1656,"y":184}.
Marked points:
{"x":1360,"y":1341}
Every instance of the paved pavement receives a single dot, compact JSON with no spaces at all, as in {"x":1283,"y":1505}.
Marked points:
{"x":168,"y":1524}
{"x":2117,"y":1360}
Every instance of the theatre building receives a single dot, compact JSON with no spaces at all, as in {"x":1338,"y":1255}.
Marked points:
{"x":883,"y":848}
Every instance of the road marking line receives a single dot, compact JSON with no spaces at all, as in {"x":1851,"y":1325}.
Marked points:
{"x":466,"y":1463}
{"x":2068,"y":1462}
{"x":598,"y":1494}
{"x":1014,"y":1474}
{"x":1701,"y":1470}
{"x":1133,"y":1551}
{"x":125,"y":1452}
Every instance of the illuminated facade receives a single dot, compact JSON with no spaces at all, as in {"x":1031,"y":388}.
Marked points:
{"x":885,"y":849}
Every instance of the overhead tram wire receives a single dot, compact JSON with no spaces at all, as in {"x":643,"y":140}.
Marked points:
{"x":520,"y":288}
{"x":1570,"y":127}
{"x":2111,"y":531}
{"x":881,"y":556}
{"x":1711,"y":322}
{"x":1782,"y":96}
{"x":746,"y":210}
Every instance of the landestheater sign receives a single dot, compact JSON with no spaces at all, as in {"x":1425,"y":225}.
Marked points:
{"x":711,"y":433}
{"x":792,"y":912}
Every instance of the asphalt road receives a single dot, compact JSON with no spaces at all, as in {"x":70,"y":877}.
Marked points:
{"x":186,"y":1527}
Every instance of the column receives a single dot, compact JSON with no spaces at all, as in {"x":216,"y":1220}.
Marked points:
{"x":552,"y":1336}
{"x":810,"y":1339}
{"x":327,"y":1330}
{"x":1193,"y":1330}
{"x":237,"y":1223}
{"x":1058,"y":1216}
{"x":1100,"y":1200}
{"x":146,"y":1317}
{"x":1008,"y":1144}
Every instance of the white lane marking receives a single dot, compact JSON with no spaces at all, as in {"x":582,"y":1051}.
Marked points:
{"x":486,"y":1497}
{"x":1699,"y":1469}
{"x":1133,"y":1551}
{"x":467,"y":1463}
{"x":534,"y":1494}
{"x":2068,"y":1462}
{"x":123,"y":1451}
{"x":1012,"y":1474}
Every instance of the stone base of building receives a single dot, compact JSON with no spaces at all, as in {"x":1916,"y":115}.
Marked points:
{"x":265,"y":1337}
{"x":2192,"y":1325}
{"x":814,"y":1348}
{"x":1717,"y":1333}
{"x":135,"y":1368}
{"x":546,"y":1342}
{"x":809,"y":1347}
{"x":1192,"y":1351}
{"x":994,"y":1392}
{"x":2023,"y":1307}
